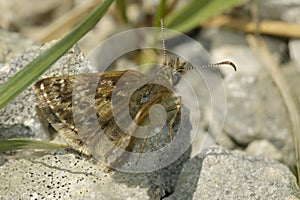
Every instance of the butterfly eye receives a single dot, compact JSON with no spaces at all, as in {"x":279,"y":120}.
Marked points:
{"x":175,"y":79}
{"x":144,"y":99}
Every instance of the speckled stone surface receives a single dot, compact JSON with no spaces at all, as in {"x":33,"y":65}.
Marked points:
{"x":12,"y":44}
{"x":67,"y":175}
{"x":218,"y":173}
{"x":64,"y":175}
{"x":214,"y":174}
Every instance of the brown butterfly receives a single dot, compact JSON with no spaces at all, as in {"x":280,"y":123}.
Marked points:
{"x":99,"y":113}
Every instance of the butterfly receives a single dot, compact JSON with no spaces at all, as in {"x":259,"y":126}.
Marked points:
{"x":105,"y":114}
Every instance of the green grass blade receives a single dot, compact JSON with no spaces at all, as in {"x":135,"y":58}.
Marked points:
{"x":121,"y":5}
{"x":160,"y":11}
{"x":23,"y":143}
{"x":25,"y":77}
{"x":196,"y":12}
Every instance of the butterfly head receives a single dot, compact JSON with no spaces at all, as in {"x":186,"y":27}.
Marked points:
{"x":172,"y":70}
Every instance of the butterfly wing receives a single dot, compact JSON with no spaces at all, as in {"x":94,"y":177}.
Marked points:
{"x":81,"y":107}
{"x":56,"y":102}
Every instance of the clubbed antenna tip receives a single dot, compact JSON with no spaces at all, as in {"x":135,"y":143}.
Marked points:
{"x":226,"y":63}
{"x":210,"y":65}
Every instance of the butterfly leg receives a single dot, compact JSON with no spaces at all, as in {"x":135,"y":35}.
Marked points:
{"x":172,"y":121}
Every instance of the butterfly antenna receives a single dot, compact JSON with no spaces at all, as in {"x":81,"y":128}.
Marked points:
{"x":211,"y":65}
{"x":163,"y":40}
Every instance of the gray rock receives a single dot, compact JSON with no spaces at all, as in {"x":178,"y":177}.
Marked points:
{"x":255,"y":93}
{"x":217,"y":173}
{"x":264,"y":148}
{"x":294,"y":48}
{"x":291,"y":15}
{"x":256,"y":111}
{"x":18,"y":118}
{"x":16,"y":15}
{"x":64,"y":175}
{"x":292,"y":74}
{"x":277,"y":47}
{"x":276,"y":9}
{"x":11,"y":44}
{"x":230,"y":45}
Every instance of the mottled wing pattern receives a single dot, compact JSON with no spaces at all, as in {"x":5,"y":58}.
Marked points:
{"x":54,"y":95}
{"x":91,"y":96}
